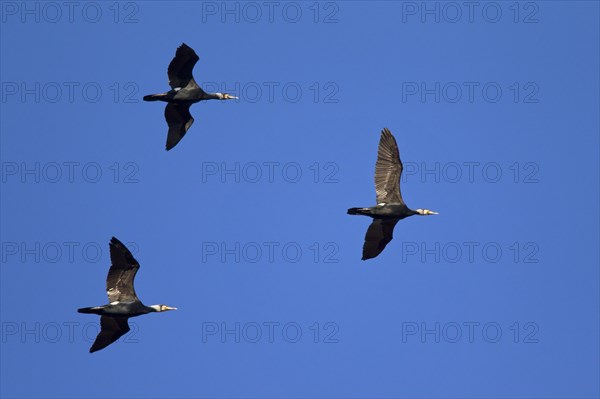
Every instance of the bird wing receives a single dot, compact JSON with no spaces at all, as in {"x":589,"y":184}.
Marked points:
{"x":180,"y":68}
{"x":179,"y":119}
{"x":379,"y":234}
{"x":119,"y":282}
{"x":111,"y":329}
{"x":388,"y":170}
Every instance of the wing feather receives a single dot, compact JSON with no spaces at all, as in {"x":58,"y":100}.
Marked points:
{"x":388,"y":170}
{"x":379,"y":234}
{"x":111,"y":329}
{"x":119,"y":282}
{"x":181,"y":67}
{"x":179,"y":119}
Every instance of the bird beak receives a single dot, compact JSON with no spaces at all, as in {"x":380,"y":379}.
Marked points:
{"x":433,"y":213}
{"x":229,"y":97}
{"x":170,"y":308}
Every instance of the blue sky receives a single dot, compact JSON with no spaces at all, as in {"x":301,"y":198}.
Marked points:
{"x":243,"y":225}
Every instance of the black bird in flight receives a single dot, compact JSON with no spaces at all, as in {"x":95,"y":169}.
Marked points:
{"x":390,"y":206}
{"x":184,"y":92}
{"x":124,"y":303}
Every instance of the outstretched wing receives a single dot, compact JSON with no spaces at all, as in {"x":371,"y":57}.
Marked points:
{"x":111,"y":329}
{"x":180,"y":68}
{"x":119,"y":282}
{"x":379,"y":234}
{"x":179,"y":119}
{"x":388,"y":170}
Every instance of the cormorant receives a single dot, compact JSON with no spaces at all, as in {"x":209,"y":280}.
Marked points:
{"x":390,"y":206}
{"x":185,"y":92}
{"x":124,"y":303}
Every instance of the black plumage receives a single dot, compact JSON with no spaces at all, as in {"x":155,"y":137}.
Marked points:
{"x":184,"y":92}
{"x":390,"y":206}
{"x":123,"y":301}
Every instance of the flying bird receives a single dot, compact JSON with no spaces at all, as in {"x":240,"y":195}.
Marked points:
{"x":124,"y":302}
{"x":390,"y":206}
{"x":184,"y":92}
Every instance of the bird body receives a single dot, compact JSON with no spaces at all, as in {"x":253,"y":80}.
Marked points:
{"x":382,"y":211}
{"x":184,"y":92}
{"x":185,"y":95}
{"x":390,"y":206}
{"x":129,"y":309}
{"x":124,"y":302}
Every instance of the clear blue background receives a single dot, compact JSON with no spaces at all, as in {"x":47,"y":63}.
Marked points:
{"x":367,"y":52}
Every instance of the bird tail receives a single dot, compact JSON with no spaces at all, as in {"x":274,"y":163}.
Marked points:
{"x":93,"y":310}
{"x":358,"y":211}
{"x":154,"y":97}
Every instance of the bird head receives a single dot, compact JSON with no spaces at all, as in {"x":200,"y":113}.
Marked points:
{"x":425,"y":212}
{"x":225,"y":96}
{"x":162,"y":308}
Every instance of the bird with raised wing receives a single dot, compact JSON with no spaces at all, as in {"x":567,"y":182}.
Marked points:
{"x":184,"y":92}
{"x":123,"y":301}
{"x":390,"y":206}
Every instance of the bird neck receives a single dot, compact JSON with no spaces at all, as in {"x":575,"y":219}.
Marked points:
{"x":213,"y":96}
